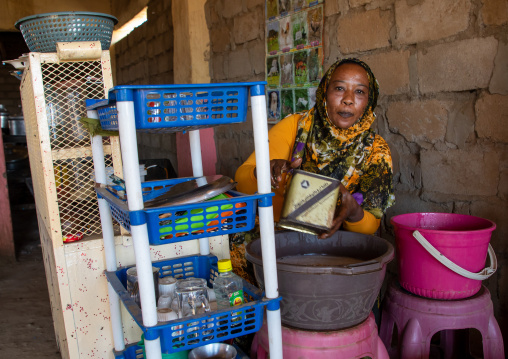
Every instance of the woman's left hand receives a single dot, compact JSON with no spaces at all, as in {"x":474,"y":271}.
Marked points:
{"x":348,"y":210}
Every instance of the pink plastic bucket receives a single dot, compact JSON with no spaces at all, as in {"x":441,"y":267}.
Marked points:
{"x":462,"y":239}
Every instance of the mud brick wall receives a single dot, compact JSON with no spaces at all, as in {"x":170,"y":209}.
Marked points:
{"x":145,"y":57}
{"x":443,"y":73}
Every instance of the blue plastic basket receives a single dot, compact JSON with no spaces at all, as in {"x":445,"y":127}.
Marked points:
{"x":195,"y":331}
{"x":41,"y":32}
{"x":171,"y":108}
{"x":185,"y":222}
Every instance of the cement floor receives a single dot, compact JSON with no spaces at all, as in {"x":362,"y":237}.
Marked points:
{"x":26,"y":323}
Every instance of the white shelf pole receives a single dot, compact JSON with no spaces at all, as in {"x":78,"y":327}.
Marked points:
{"x":197,"y":171}
{"x":108,"y":238}
{"x":129,"y":149}
{"x":195,"y":149}
{"x":260,"y":127}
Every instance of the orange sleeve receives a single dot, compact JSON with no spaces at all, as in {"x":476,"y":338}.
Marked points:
{"x":281,"y":138}
{"x":247,"y":182}
{"x":367,"y":225}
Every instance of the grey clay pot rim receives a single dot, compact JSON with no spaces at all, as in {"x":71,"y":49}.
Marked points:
{"x":372,"y":265}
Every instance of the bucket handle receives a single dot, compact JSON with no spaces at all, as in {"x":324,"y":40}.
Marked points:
{"x":481,"y":275}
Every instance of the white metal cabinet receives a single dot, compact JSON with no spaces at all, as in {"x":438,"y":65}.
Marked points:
{"x":60,"y":163}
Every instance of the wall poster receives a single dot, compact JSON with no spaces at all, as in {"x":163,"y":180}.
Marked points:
{"x":294,"y":55}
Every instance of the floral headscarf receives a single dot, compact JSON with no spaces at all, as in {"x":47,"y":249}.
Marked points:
{"x":356,"y":155}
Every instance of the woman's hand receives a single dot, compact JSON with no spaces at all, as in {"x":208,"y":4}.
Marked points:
{"x":348,"y":210}
{"x":278,"y":167}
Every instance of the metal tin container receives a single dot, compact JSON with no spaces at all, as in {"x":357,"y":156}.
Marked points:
{"x":309,"y":205}
{"x":16,"y":126}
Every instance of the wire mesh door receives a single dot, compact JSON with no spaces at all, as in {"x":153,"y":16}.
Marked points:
{"x":66,"y":86}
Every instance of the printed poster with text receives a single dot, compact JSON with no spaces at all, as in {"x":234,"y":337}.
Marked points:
{"x":294,"y":55}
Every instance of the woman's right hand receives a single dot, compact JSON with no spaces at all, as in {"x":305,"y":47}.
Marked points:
{"x":278,"y":167}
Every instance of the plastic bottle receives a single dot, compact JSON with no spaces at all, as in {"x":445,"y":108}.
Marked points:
{"x":228,"y":287}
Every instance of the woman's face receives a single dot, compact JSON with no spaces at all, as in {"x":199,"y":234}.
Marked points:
{"x":347,"y":95}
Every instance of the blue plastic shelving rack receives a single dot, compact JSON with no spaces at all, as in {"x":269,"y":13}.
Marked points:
{"x":192,"y":332}
{"x":176,"y":108}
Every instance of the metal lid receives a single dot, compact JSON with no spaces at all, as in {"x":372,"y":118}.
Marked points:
{"x":197,"y":190}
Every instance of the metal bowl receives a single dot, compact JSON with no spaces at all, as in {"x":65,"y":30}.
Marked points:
{"x":213,"y":351}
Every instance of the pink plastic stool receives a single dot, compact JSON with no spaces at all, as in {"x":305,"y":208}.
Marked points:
{"x":356,"y":342}
{"x":417,"y":319}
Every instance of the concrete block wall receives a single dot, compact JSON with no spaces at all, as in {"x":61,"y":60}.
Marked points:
{"x":238,"y":54}
{"x":443,"y":73}
{"x":145,"y":57}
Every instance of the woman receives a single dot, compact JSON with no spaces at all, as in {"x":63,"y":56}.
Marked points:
{"x":334,"y":139}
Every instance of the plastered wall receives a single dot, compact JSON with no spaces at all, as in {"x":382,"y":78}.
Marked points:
{"x":442,"y":67}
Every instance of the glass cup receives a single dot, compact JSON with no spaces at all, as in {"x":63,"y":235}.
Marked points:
{"x":193,"y":294}
{"x":167,"y":285}
{"x":132,"y":284}
{"x":166,"y":315}
{"x":165,"y":301}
